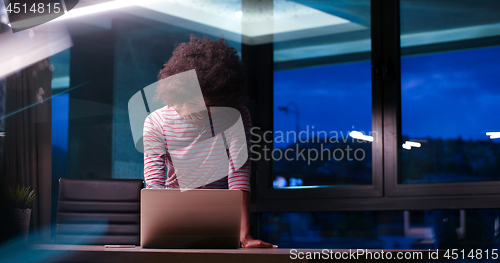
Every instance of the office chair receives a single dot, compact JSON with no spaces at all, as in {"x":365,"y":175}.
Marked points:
{"x":98,"y":211}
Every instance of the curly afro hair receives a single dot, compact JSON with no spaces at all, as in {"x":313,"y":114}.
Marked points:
{"x":217,"y":65}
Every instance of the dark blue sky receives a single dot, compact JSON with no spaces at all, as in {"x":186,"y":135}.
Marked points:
{"x":449,"y":94}
{"x":330,"y":98}
{"x":60,"y":109}
{"x":444,"y":95}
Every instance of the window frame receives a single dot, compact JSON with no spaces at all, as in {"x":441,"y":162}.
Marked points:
{"x":265,"y":170}
{"x":393,"y":130}
{"x":385,"y":193}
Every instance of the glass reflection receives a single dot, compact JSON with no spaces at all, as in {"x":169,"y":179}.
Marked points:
{"x":449,"y":91}
{"x":436,"y":229}
{"x":322,"y":101}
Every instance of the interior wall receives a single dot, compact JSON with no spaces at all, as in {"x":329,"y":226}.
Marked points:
{"x":141,"y":49}
{"x":90,"y":108}
{"x":113,"y":65}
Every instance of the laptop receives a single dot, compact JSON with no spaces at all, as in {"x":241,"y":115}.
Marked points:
{"x":201,"y":218}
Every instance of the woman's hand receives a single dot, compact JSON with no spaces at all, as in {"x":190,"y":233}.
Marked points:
{"x":249,"y":242}
{"x":245,"y":239}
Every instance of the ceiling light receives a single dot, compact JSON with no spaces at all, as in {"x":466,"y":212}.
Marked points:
{"x":257,"y":23}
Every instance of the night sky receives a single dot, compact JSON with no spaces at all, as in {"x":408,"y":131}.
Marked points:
{"x":60,"y":109}
{"x":444,"y":95}
{"x":330,"y":98}
{"x":450,"y":94}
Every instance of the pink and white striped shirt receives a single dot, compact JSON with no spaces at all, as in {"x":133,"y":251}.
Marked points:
{"x":166,"y":128}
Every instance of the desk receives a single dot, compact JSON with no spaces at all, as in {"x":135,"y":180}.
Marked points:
{"x":86,"y":253}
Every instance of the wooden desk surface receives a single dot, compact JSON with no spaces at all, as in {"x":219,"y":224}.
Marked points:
{"x":272,"y":251}
{"x":86,"y":253}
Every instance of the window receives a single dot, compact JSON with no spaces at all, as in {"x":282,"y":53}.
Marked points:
{"x":324,"y":132}
{"x":448,"y":103}
{"x":449,"y":90}
{"x":446,"y":68}
{"x":324,"y":105}
{"x":60,"y":64}
{"x":374,"y":107}
{"x":433,"y":88}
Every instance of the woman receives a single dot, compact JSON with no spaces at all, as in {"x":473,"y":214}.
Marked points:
{"x":187,"y":123}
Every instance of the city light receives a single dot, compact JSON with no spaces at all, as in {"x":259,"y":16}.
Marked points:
{"x":413,"y":144}
{"x":408,"y":144}
{"x":493,"y":135}
{"x":360,"y":136}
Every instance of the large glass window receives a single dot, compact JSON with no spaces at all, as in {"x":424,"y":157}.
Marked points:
{"x":60,"y":85}
{"x":328,"y":130}
{"x":60,"y":107}
{"x":450,"y":92}
{"x":322,"y":101}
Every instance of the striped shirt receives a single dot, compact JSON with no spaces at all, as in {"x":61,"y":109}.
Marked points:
{"x":185,"y":149}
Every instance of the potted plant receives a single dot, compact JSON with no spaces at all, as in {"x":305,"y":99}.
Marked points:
{"x":22,"y":198}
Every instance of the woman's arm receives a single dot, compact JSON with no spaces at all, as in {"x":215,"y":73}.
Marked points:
{"x":154,"y":152}
{"x":240,"y":179}
{"x":245,"y":239}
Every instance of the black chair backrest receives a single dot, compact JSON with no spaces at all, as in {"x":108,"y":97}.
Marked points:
{"x":99,"y":211}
